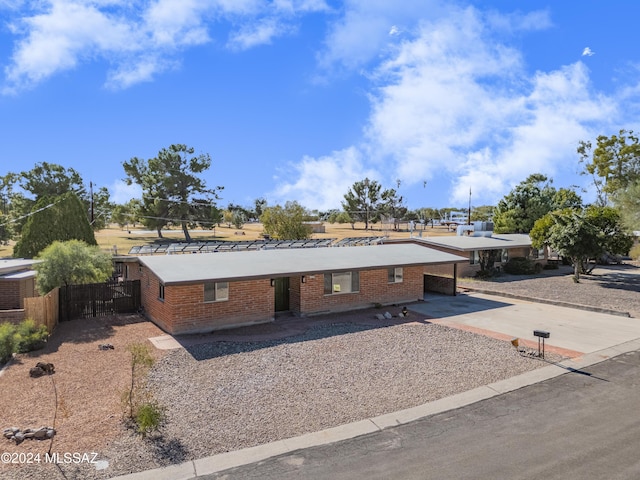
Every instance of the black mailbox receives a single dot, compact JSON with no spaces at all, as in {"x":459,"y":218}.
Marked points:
{"x":541,"y":333}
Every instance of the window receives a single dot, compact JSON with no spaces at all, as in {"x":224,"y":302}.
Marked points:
{"x":505,"y":255}
{"x":161,"y":291}
{"x":395,"y":275}
{"x":345,"y":282}
{"x":216,"y":291}
{"x":474,"y":257}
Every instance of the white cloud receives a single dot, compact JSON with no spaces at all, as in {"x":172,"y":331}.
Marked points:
{"x":361,"y":33}
{"x":138,"y":38}
{"x":587,"y":52}
{"x":121,"y":193}
{"x":322,"y":182}
{"x":456,"y":105}
{"x":259,"y":33}
{"x":394,"y":30}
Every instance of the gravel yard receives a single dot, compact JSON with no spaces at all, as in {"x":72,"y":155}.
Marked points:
{"x":228,"y":394}
{"x":612,"y":287}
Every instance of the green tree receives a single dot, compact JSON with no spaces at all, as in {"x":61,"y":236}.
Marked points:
{"x":71,"y":263}
{"x":259,"y":205}
{"x":392,"y":206}
{"x":61,"y":218}
{"x":530,"y":200}
{"x":576,"y":239}
{"x":286,"y":223}
{"x":51,"y":180}
{"x":361,"y":201}
{"x":482,"y":213}
{"x":628,"y":202}
{"x":169,"y":183}
{"x":615,"y":239}
{"x":100,"y":209}
{"x":581,"y":235}
{"x":614,"y":163}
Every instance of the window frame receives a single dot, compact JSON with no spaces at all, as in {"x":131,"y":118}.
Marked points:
{"x":330,"y":286}
{"x":161,"y":292}
{"x":217,"y":288}
{"x":395,"y":275}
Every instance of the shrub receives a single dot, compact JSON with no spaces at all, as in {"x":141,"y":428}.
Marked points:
{"x":28,"y":336}
{"x":520,"y":266}
{"x":7,"y":331}
{"x":634,"y":253}
{"x":148,"y":417}
{"x":551,"y":266}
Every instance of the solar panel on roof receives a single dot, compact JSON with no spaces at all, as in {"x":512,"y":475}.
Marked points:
{"x":224,"y":246}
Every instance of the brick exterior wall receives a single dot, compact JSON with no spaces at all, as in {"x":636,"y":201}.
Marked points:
{"x":183,"y":309}
{"x":374,"y":288}
{"x":13,"y":292}
{"x":12,"y":316}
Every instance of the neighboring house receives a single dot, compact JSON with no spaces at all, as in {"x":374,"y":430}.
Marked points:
{"x":209,"y":291}
{"x":510,"y":246}
{"x":17,"y":282}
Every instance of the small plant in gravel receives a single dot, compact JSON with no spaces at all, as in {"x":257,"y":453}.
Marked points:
{"x":7,"y":331}
{"x":140,"y":407}
{"x":29,"y":336}
{"x":21,"y":338}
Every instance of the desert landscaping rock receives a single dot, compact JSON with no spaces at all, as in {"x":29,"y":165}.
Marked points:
{"x":18,"y":436}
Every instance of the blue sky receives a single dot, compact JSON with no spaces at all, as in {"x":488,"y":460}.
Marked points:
{"x":298,"y":99}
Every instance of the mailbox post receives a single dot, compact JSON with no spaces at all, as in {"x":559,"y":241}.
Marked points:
{"x":541,"y":334}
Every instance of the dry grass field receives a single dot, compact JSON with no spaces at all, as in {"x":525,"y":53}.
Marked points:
{"x":119,"y":240}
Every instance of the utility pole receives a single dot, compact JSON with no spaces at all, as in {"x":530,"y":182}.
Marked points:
{"x":91,"y":200}
{"x":469,"y":213}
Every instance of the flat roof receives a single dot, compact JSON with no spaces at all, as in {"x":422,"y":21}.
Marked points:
{"x":467,"y":243}
{"x":15,"y":264}
{"x":18,"y":275}
{"x":223,"y":266}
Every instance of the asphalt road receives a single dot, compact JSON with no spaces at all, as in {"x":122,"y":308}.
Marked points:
{"x":582,"y":425}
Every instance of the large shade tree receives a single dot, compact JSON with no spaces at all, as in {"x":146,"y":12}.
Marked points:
{"x":529,"y":201}
{"x":54,"y":218}
{"x":173,"y":192}
{"x":71,"y":263}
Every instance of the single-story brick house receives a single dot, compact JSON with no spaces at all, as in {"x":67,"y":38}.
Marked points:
{"x":209,"y":291}
{"x":510,"y":246}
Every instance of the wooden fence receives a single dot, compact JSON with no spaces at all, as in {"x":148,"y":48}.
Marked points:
{"x":98,"y":299}
{"x":43,"y":310}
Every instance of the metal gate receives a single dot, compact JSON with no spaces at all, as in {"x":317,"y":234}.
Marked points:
{"x":99,"y":299}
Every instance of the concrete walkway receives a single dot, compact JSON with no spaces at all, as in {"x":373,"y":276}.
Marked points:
{"x":591,"y":337}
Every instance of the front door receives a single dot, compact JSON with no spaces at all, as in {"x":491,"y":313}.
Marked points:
{"x":282,"y":294}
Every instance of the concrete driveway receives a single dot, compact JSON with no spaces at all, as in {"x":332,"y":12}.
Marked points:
{"x":572,"y":331}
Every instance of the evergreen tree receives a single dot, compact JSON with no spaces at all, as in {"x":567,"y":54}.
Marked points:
{"x":54,"y":218}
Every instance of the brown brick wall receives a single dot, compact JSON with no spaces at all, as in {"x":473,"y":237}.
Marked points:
{"x":13,"y":292}
{"x":374,"y":288}
{"x":184,"y":310}
{"x":12,"y":316}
